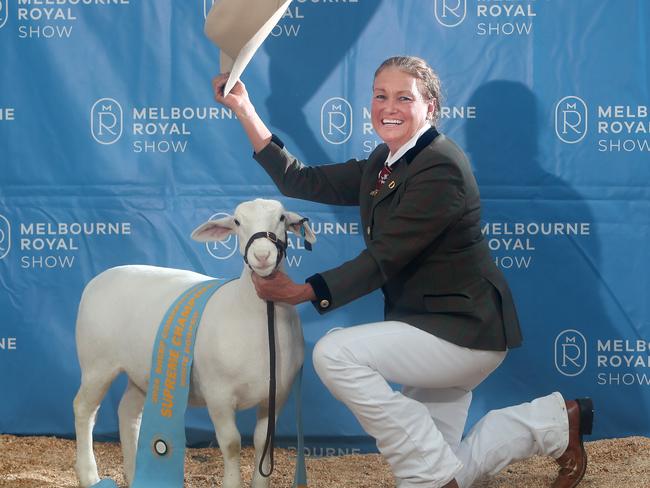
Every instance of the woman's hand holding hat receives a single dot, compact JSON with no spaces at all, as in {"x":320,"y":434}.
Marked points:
{"x":237,"y":100}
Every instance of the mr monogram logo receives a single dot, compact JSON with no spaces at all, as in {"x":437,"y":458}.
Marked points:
{"x":5,"y":237}
{"x":570,"y":352}
{"x":571,"y":119}
{"x":450,"y":13}
{"x":336,"y":120}
{"x":4,"y":12}
{"x":222,"y":249}
{"x":106,"y":121}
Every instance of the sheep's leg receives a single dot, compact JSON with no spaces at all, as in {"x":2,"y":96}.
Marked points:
{"x":130,"y":414}
{"x":259,"y":438}
{"x":223,"y":418}
{"x":86,"y":403}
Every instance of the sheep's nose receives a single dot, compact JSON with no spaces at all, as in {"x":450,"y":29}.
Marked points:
{"x":262,"y":256}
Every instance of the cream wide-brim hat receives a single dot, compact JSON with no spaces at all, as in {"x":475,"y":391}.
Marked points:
{"x":238,"y":28}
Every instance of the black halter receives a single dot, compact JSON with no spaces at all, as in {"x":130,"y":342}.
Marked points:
{"x":280,"y":245}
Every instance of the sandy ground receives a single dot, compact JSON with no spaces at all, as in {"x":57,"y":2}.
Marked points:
{"x":35,"y":462}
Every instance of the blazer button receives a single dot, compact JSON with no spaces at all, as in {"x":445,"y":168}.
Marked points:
{"x":324,"y":303}
{"x":368,"y":230}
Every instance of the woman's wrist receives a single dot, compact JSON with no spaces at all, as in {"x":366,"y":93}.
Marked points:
{"x":308,"y":294}
{"x":246,"y":111}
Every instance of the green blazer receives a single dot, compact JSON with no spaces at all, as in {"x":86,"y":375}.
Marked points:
{"x":424,"y":246}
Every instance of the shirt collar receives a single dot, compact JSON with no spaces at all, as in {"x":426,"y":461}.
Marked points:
{"x":393,"y":158}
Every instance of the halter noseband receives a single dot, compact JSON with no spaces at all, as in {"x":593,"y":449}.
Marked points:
{"x":280,"y":245}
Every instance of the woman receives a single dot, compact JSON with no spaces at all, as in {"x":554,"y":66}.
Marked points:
{"x":449,"y":314}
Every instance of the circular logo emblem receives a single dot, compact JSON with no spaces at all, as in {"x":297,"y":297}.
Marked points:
{"x":4,"y":12}
{"x":5,"y":236}
{"x":160,"y":447}
{"x":106,"y":121}
{"x":570,"y":352}
{"x":571,"y":118}
{"x":336,"y":120}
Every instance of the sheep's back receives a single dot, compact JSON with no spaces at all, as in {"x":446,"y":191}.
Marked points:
{"x":119,"y":315}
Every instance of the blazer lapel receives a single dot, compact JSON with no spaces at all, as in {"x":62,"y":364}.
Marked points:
{"x":375,"y":162}
{"x":398,"y":174}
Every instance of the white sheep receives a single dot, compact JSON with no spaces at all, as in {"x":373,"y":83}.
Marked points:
{"x":119,"y":315}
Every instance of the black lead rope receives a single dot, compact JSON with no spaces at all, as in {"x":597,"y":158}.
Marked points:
{"x":270,"y":312}
{"x":270,"y":429}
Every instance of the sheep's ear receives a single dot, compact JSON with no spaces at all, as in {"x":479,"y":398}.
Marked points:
{"x":299,"y":226}
{"x":215,"y":230}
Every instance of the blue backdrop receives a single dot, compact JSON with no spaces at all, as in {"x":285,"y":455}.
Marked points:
{"x":112,"y":150}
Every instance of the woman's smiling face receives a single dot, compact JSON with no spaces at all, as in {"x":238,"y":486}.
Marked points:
{"x":398,"y":108}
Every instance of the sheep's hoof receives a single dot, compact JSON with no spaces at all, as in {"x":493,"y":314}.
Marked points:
{"x":87,"y":477}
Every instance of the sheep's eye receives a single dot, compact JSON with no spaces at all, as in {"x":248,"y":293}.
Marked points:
{"x":281,"y":218}
{"x":237,"y":222}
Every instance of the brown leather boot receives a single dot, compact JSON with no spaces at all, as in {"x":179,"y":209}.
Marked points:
{"x":451,"y":484}
{"x":573,"y":463}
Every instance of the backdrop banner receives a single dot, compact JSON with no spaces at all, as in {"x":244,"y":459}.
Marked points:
{"x":112,"y":149}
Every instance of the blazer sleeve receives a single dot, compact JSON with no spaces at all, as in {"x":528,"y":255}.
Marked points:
{"x":334,"y":184}
{"x":433,"y":201}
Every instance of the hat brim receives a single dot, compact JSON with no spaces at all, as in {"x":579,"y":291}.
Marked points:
{"x":241,"y":59}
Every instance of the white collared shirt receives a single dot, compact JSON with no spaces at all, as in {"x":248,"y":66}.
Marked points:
{"x":393,"y":158}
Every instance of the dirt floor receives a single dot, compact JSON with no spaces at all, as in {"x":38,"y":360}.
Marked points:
{"x":36,"y":462}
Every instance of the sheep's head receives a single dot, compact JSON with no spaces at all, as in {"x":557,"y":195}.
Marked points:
{"x":261,"y":226}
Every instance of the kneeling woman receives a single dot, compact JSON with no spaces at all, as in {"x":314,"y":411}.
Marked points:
{"x":449,"y":314}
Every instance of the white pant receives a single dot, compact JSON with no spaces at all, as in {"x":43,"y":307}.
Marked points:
{"x":418,"y":431}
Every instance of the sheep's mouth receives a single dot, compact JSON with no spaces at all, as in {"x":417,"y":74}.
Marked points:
{"x":264,"y":271}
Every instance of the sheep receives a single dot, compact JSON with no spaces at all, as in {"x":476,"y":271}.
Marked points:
{"x":119,"y":314}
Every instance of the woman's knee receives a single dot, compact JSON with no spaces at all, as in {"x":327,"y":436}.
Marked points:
{"x":326,"y":354}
